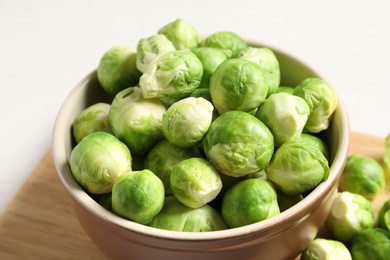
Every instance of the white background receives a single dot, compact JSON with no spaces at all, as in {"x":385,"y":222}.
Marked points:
{"x":48,"y":46}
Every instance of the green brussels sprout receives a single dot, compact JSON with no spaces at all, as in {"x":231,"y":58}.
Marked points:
{"x":321,"y":249}
{"x":238,"y":84}
{"x":350,"y":214}
{"x":195,"y":182}
{"x":297,"y":168}
{"x":138,"y":196}
{"x":182,"y":34}
{"x":238,"y":144}
{"x":226,"y":41}
{"x":287,"y":89}
{"x":173,"y":74}
{"x":92,"y":119}
{"x":386,"y":156}
{"x":98,"y":160}
{"x":149,"y":48}
{"x":285,"y":115}
{"x":178,"y":217}
{"x":322,"y":100}
{"x":372,"y":243}
{"x":384,"y":216}
{"x":267,"y":60}
{"x":164,"y":156}
{"x":117,"y":69}
{"x":186,"y":122}
{"x":316,"y":141}
{"x":137,"y":121}
{"x":210,"y":58}
{"x":249,"y":201}
{"x":362,"y":175}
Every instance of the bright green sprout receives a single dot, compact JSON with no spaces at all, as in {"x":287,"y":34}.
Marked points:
{"x":362,"y":175}
{"x":350,"y":214}
{"x":238,"y":144}
{"x":326,"y":249}
{"x":138,"y":196}
{"x":92,"y":119}
{"x":178,"y":217}
{"x":137,"y":121}
{"x":248,"y":202}
{"x":98,"y":160}
{"x":117,"y":69}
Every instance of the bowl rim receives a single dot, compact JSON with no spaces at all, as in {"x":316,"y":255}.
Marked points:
{"x":296,"y":213}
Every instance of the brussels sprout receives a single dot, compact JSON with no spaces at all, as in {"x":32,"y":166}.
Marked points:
{"x":226,"y":41}
{"x":285,"y":115}
{"x":211,"y":58}
{"x":137,"y":121}
{"x":238,"y":85}
{"x":182,"y":34}
{"x":173,"y":74}
{"x":286,"y":89}
{"x":186,"y":122}
{"x":149,"y":48}
{"x":164,"y":156}
{"x":98,"y":160}
{"x":372,"y":243}
{"x":92,"y":119}
{"x":322,"y":249}
{"x":384,"y":216}
{"x":178,"y":217}
{"x":362,"y":175}
{"x":386,"y":156}
{"x":249,"y":201}
{"x":267,"y":60}
{"x":138,"y":196}
{"x":195,"y":182}
{"x":117,"y":69}
{"x":238,"y":144}
{"x":297,"y":168}
{"x":350,"y":214}
{"x":322,"y":100}
{"x":316,"y":141}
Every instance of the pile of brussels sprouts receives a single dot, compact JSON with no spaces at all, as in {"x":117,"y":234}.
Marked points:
{"x":356,"y":232}
{"x":200,"y":135}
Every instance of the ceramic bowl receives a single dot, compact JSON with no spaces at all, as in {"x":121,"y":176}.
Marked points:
{"x":281,"y":237}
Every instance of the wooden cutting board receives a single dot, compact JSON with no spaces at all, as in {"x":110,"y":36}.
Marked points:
{"x":39,"y":222}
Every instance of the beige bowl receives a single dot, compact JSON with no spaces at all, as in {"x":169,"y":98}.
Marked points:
{"x":281,"y":237}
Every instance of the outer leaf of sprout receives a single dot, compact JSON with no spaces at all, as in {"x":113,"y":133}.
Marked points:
{"x":98,"y":160}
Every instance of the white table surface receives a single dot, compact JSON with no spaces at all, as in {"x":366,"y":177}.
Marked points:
{"x":47,"y":46}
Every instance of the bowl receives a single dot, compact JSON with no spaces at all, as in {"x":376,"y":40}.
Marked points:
{"x":283,"y":236}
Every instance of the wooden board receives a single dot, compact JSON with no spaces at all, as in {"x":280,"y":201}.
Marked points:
{"x":39,"y":222}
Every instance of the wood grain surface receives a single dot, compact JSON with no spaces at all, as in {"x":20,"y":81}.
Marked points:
{"x":39,"y":222}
